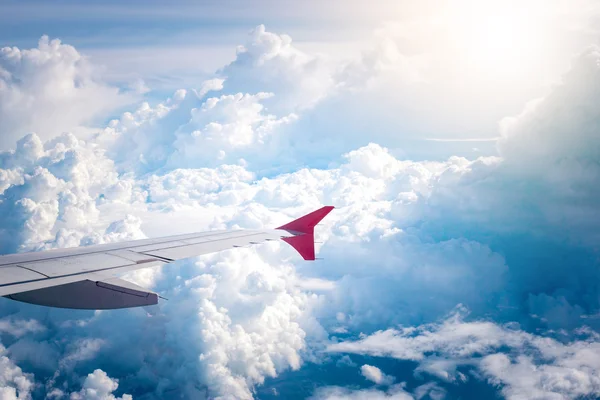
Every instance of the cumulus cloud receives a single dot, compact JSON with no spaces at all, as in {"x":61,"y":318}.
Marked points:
{"x":265,"y":92}
{"x":189,"y":131}
{"x":98,"y":386}
{"x":226,"y":128}
{"x":14,"y":383}
{"x":375,"y":375}
{"x":211,"y":85}
{"x":264,"y":88}
{"x":381,"y":62}
{"x":55,"y":199}
{"x":270,"y":62}
{"x":142,"y":140}
{"x":50,"y":89}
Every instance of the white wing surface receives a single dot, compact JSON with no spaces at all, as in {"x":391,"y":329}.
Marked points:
{"x":85,"y":277}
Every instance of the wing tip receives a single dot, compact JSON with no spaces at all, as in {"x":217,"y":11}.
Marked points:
{"x":303,"y":228}
{"x":306,"y":223}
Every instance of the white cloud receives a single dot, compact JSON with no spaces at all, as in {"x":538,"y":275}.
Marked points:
{"x":99,"y":386}
{"x":524,"y":365}
{"x":14,"y":384}
{"x":266,"y":90}
{"x":375,"y":375}
{"x":571,"y":373}
{"x":55,"y":191}
{"x":81,"y":350}
{"x":430,"y":391}
{"x":211,"y":85}
{"x":226,"y":128}
{"x":531,"y":139}
{"x":453,"y":337}
{"x":142,"y":140}
{"x":338,"y":393}
{"x":270,"y":62}
{"x":50,"y":89}
{"x":20,"y":327}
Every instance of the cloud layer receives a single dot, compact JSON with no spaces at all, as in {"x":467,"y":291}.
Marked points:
{"x":525,"y":365}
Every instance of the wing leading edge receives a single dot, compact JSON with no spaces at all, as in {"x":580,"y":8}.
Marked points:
{"x":86,"y":277}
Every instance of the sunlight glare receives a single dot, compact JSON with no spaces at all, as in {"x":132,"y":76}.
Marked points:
{"x":497,"y":39}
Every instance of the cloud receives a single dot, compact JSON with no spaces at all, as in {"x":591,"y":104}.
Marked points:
{"x":98,"y":386}
{"x":270,"y":62}
{"x":14,"y":384}
{"x":50,"y":89}
{"x":375,"y":375}
{"x":527,"y":138}
{"x":337,"y":393}
{"x":265,"y":92}
{"x":211,"y":85}
{"x":225,"y":129}
{"x":18,"y":328}
{"x":524,"y":365}
{"x":430,"y":390}
{"x":54,"y":192}
{"x":142,"y":140}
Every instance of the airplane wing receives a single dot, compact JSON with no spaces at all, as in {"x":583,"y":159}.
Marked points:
{"x":87,"y":277}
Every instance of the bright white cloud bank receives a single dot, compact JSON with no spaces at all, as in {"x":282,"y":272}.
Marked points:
{"x":510,"y":237}
{"x":50,"y":89}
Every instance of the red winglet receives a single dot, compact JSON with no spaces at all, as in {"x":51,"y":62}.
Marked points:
{"x":304,"y":242}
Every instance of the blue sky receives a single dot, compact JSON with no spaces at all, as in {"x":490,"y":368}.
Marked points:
{"x":458,"y":141}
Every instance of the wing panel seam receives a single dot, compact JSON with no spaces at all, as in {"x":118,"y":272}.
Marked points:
{"x":65,"y":276}
{"x":32,"y":270}
{"x":117,"y":247}
{"x":190,"y":244}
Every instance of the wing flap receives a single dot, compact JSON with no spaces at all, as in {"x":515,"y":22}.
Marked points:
{"x":177,"y":251}
{"x":132,"y":256}
{"x":14,"y":274}
{"x":76,"y":264}
{"x":90,"y":295}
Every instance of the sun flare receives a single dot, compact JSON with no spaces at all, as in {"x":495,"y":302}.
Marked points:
{"x":497,"y":38}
